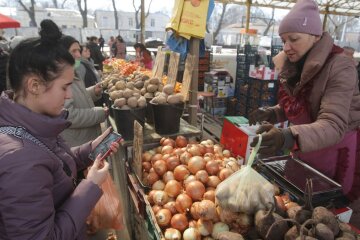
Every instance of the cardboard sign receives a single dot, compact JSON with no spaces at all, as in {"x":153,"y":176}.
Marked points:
{"x":173,"y":68}
{"x":160,"y":67}
{"x":186,"y":82}
{"x":138,"y":148}
{"x":156,"y":64}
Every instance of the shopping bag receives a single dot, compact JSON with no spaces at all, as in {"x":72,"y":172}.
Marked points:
{"x":193,"y":18}
{"x":175,"y":16}
{"x":246,"y":190}
{"x":108,"y":211}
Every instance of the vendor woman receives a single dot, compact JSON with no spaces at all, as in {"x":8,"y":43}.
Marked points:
{"x":319,"y":97}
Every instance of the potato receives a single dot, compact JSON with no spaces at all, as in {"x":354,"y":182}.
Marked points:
{"x":142,"y":102}
{"x":160,"y":87}
{"x":120,"y":85}
{"x":148,"y":95}
{"x":139,"y":84}
{"x":168,"y":89}
{"x":125,"y":107}
{"x":119,"y":102}
{"x":130,"y":85}
{"x":151,"y":88}
{"x":173,"y":99}
{"x":132,"y":102}
{"x":322,"y":215}
{"x":146,"y":83}
{"x":113,"y":88}
{"x":143,"y":91}
{"x":157,"y":94}
{"x":180,"y":96}
{"x":323,"y":232}
{"x":137,"y":95}
{"x":145,"y":77}
{"x":154,"y":81}
{"x":128,"y":93}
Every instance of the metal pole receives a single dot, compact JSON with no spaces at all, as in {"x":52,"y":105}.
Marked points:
{"x":325,"y":18}
{"x":194,"y":50}
{"x":248,"y":7}
{"x":142,"y":22}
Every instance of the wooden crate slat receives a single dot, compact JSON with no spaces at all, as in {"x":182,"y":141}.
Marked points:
{"x":186,"y":82}
{"x":173,"y":68}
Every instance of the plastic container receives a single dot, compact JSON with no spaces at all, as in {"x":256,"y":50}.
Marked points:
{"x":108,"y":102}
{"x":149,"y":112}
{"x":167,"y":117}
{"x":124,"y":120}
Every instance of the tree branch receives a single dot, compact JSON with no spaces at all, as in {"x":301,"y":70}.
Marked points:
{"x":148,"y":11}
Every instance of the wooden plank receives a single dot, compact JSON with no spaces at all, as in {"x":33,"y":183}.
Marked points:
{"x":186,"y":82}
{"x":138,"y":148}
{"x":156,"y":64}
{"x":160,"y":68}
{"x":173,"y":68}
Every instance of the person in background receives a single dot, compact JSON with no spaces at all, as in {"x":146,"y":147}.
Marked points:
{"x":39,"y":197}
{"x":143,"y":56}
{"x":4,"y":57}
{"x":349,"y":52}
{"x":120,"y":48}
{"x":96,"y":53}
{"x":101,"y":43}
{"x":319,"y":97}
{"x":110,"y":44}
{"x":85,"y":118}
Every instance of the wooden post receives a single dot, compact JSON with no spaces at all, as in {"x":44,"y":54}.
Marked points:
{"x":248,"y":8}
{"x":325,"y":17}
{"x":137,"y":149}
{"x":194,"y":50}
{"x":142,"y":22}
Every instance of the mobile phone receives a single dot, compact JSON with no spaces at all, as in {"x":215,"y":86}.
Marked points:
{"x":104,"y":146}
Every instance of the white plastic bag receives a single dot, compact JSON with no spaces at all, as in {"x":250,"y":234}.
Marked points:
{"x":245,"y":190}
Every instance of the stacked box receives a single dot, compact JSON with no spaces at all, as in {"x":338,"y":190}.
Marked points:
{"x":204,"y":66}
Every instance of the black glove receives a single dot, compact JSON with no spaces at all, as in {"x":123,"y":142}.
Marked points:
{"x":272,"y":140}
{"x":262,"y":114}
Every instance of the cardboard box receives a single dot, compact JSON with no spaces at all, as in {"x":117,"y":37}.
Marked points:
{"x":262,"y":72}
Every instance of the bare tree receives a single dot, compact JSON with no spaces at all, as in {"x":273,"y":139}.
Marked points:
{"x":56,"y":5}
{"x":137,"y":11}
{"x":115,"y":15}
{"x":30,"y":11}
{"x":83,"y":12}
{"x":217,"y":29}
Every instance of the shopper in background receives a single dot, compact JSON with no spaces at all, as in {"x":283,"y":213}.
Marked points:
{"x":4,"y":56}
{"x":119,"y":48}
{"x":39,"y":199}
{"x":85,"y":118}
{"x":110,"y":44}
{"x":101,"y":43}
{"x":96,"y":53}
{"x":143,"y":56}
{"x":349,"y":51}
{"x":86,"y":71}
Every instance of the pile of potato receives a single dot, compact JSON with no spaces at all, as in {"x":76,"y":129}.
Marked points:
{"x":167,"y":96}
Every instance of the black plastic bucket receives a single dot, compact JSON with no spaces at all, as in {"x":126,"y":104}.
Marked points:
{"x":149,"y":112}
{"x":108,"y":102}
{"x":124,"y":120}
{"x":167,"y":117}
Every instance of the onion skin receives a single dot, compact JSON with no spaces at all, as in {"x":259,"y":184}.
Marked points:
{"x":205,"y":227}
{"x":169,"y":175}
{"x":160,"y":198}
{"x":191,"y":234}
{"x":202,"y":176}
{"x":213,"y":181}
{"x":212,"y":167}
{"x":183,"y":203}
{"x":156,"y":208}
{"x":163,"y":217}
{"x":171,"y":207}
{"x":146,"y":156}
{"x":152,"y":178}
{"x":181,"y":141}
{"x":160,"y":167}
{"x":181,"y":172}
{"x":210,"y":195}
{"x":196,"y":164}
{"x":172,"y":234}
{"x":172,"y":162}
{"x":173,"y":188}
{"x":179,"y":222}
{"x":195,"y":190}
{"x":225,"y":173}
{"x":207,"y":210}
{"x":194,"y":210}
{"x":168,"y":142}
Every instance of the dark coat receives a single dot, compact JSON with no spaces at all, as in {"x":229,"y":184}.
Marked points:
{"x":96,"y":55}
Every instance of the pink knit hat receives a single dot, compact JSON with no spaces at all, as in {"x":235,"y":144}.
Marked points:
{"x":304,"y":17}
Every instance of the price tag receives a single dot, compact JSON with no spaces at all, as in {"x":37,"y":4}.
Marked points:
{"x":271,"y":85}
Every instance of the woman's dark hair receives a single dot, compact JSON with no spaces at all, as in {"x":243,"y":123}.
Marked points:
{"x":120,"y":39}
{"x":142,"y":48}
{"x":43,"y":56}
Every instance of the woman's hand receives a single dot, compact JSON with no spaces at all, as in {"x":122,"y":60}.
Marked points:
{"x":98,"y":89}
{"x":98,"y":171}
{"x":98,"y":140}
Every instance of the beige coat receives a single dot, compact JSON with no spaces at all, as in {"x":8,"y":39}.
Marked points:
{"x":334,"y":98}
{"x":83,"y":115}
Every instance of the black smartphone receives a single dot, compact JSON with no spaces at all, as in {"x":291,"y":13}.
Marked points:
{"x":104,"y":146}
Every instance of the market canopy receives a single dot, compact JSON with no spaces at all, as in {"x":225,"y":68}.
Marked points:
{"x":7,"y":22}
{"x":335,"y":7}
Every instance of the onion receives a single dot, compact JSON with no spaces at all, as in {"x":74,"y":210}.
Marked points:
{"x":191,"y":234}
{"x":290,"y":205}
{"x":213,"y":181}
{"x":226,"y":153}
{"x":210,"y":155}
{"x":179,"y":222}
{"x":167,"y":149}
{"x":218,"y":228}
{"x":172,"y":234}
{"x":202,"y":176}
{"x":210,"y":142}
{"x":166,"y":156}
{"x":218,"y":150}
{"x":196,"y":164}
{"x":202,"y":149}
{"x":233,"y":166}
{"x":189,"y":179}
{"x":180,"y":141}
{"x":173,"y":188}
{"x":144,"y":178}
{"x":152,"y":178}
{"x":156,"y":208}
{"x":183,"y":203}
{"x":212,"y":167}
{"x":210,"y":195}
{"x":181,"y":172}
{"x":146,"y":156}
{"x":169,"y":175}
{"x":146,"y":166}
{"x":168,"y":142}
{"x":160,"y":167}
{"x":172,"y":162}
{"x":171,"y":207}
{"x":280,"y":203}
{"x":156,"y":157}
{"x":160,"y":198}
{"x":185,"y":157}
{"x":158,"y":149}
{"x":163,"y":217}
{"x":206,"y":210}
{"x":194,"y":210}
{"x":194,"y":150}
{"x":150,"y":196}
{"x":203,"y":142}
{"x":205,"y":227}
{"x":178,"y":151}
{"x":195,"y":190}
{"x":158,"y":185}
{"x":162,"y":140}
{"x":225,"y":173}
{"x":209,"y":149}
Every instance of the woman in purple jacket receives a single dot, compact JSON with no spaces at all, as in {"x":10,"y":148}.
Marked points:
{"x":39,"y":198}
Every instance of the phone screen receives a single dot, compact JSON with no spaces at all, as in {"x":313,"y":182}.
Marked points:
{"x":104,"y":145}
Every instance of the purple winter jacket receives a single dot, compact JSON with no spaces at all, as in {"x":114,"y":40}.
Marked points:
{"x":37,"y":198}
